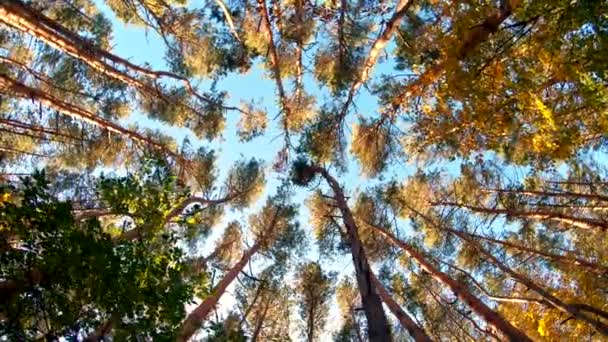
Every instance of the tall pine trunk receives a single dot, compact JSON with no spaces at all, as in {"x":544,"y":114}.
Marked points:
{"x":20,"y":90}
{"x":572,"y":310}
{"x":260,"y":322}
{"x":196,"y":317}
{"x":378,"y":327}
{"x":406,"y":321}
{"x":564,"y":259}
{"x":310,"y":331}
{"x":579,"y":222}
{"x":489,"y":315}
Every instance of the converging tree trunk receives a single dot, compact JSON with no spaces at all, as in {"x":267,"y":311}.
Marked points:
{"x":563,"y":259}
{"x":579,"y":222}
{"x":406,"y":321}
{"x":574,"y":311}
{"x":378,"y":327}
{"x":20,"y":90}
{"x":195,"y":319}
{"x":489,"y":315}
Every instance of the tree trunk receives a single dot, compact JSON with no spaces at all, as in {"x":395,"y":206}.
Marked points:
{"x":228,"y":18}
{"x":378,"y":328}
{"x":16,"y":14}
{"x":198,"y":315}
{"x":311,"y":322}
{"x":555,"y":302}
{"x":260,"y":323}
{"x":566,"y":194}
{"x":490,"y":316}
{"x":564,"y":259}
{"x":406,"y":321}
{"x":23,"y":91}
{"x":274,"y":58}
{"x":578,"y":222}
{"x":258,"y":291}
{"x":385,"y":37}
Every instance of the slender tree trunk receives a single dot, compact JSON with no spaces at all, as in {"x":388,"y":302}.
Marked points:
{"x":539,"y":301}
{"x":572,"y":309}
{"x":21,"y":90}
{"x":260,"y":323}
{"x":14,"y":13}
{"x":385,"y":37}
{"x":545,"y":295}
{"x":406,"y":321}
{"x":378,"y":328}
{"x":14,"y":151}
{"x":258,"y":291}
{"x":274,"y":59}
{"x":43,"y":131}
{"x":228,"y":17}
{"x":311,"y":322}
{"x":489,"y":315}
{"x":198,"y":315}
{"x":579,"y":222}
{"x":299,"y":47}
{"x":566,"y":194}
{"x":564,"y":259}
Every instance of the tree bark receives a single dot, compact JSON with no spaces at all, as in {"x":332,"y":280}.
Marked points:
{"x":406,"y":321}
{"x":578,"y":222}
{"x":258,"y":291}
{"x":228,"y":18}
{"x":554,"y":302}
{"x":391,"y":26}
{"x":490,"y":316}
{"x":274,"y":58}
{"x":566,"y":194}
{"x":195,"y":319}
{"x":311,"y":322}
{"x":564,"y":259}
{"x":378,"y":328}
{"x":23,"y":91}
{"x":14,"y":13}
{"x":260,"y":323}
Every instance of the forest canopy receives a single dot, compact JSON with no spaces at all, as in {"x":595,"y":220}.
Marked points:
{"x":303,"y":170}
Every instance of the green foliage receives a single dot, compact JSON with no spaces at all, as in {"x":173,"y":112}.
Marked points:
{"x":71,"y":277}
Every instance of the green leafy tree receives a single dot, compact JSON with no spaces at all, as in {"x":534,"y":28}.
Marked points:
{"x":63,"y":277}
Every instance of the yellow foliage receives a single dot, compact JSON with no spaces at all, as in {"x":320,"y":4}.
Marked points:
{"x":542,"y":328}
{"x":5,"y":197}
{"x":319,"y":211}
{"x":546,"y":113}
